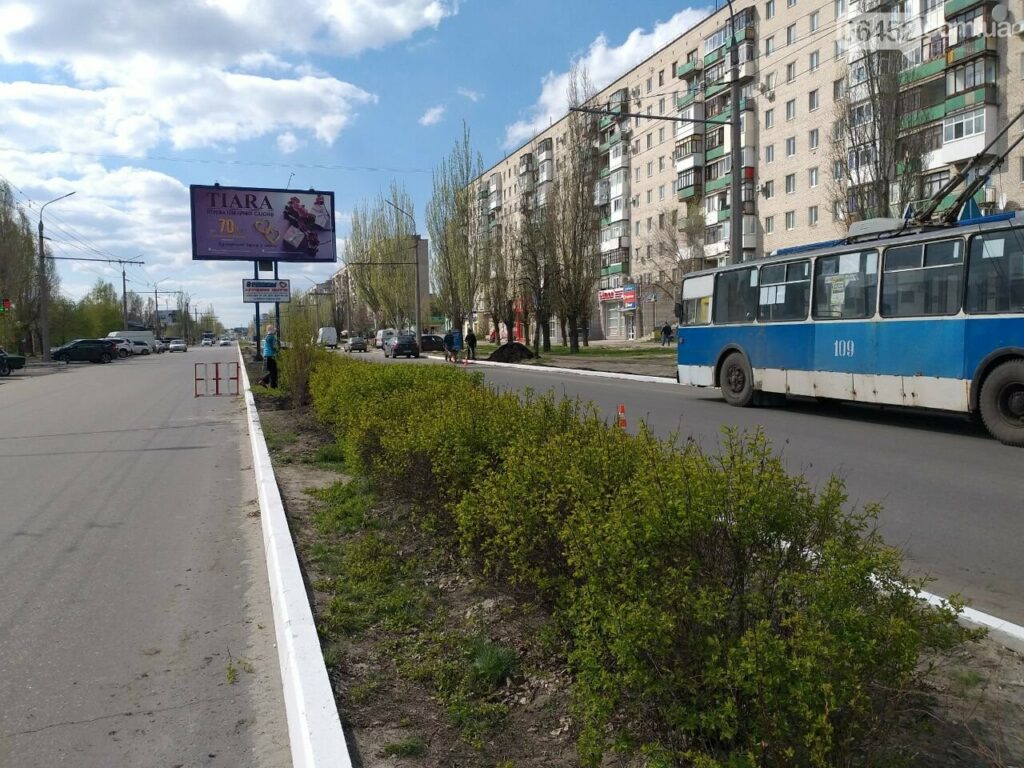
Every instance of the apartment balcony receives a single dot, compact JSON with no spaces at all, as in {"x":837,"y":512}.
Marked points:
{"x":690,"y":68}
{"x":615,"y":162}
{"x":687,"y":160}
{"x":606,"y":146}
{"x":692,"y":192}
{"x":717,"y":185}
{"x":525,"y":164}
{"x":713,"y":90}
{"x":968,"y":49}
{"x":924,"y":116}
{"x":923,"y":71}
{"x":483,"y":193}
{"x":495,"y":202}
{"x":544,"y":152}
{"x":619,"y":189}
{"x":614,"y":244}
{"x":693,"y":96}
{"x":958,"y":150}
{"x":954,"y":7}
{"x":742,"y":36}
{"x":602,"y":193}
{"x":716,"y":249}
{"x":986,"y":94}
{"x":726,"y":115}
{"x":616,"y":268}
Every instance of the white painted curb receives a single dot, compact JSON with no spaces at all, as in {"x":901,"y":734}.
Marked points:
{"x":573,"y":371}
{"x":314,"y":728}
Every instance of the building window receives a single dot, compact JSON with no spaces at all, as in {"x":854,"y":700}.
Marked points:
{"x":650,"y":192}
{"x":769,"y":189}
{"x":638,"y":228}
{"x":650,"y":169}
{"x":650,"y":140}
{"x":637,"y":175}
{"x":840,"y":6}
{"x":812,"y":216}
{"x":791,"y":34}
{"x":837,"y":89}
{"x":814,"y":61}
{"x":791,"y":146}
{"x":812,"y":139}
{"x":661,"y":134}
{"x":790,"y":220}
{"x":661,"y":77}
{"x":790,"y":3}
{"x":812,"y":176}
{"x":661,"y":106}
{"x":791,"y":72}
{"x":650,"y":224}
{"x":1022,"y":169}
{"x":650,"y":85}
{"x":838,"y":48}
{"x":661,"y":163}
{"x":769,"y":225}
{"x":931,"y":183}
{"x":769,"y":9}
{"x":769,"y":82}
{"x":790,"y":183}
{"x":769,"y":153}
{"x":963,"y":125}
{"x":661,"y":192}
{"x":837,"y":211}
{"x":812,"y":100}
{"x":769,"y":46}
{"x":791,"y":109}
{"x":769,"y":118}
{"x":815,"y":21}
{"x":970,"y":76}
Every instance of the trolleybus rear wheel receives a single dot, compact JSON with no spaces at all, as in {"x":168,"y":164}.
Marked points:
{"x":1002,"y":403}
{"x":737,"y":382}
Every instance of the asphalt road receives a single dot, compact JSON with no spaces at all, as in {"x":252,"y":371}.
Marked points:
{"x":133,"y":576}
{"x":952,"y":497}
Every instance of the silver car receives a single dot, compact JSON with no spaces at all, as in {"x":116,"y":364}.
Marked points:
{"x":177,"y":345}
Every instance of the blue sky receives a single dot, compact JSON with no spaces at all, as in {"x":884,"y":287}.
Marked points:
{"x":140,"y":99}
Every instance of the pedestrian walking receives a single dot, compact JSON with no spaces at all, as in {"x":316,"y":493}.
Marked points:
{"x":270,"y":349}
{"x":449,"y":345}
{"x":470,"y":345}
{"x":666,"y":334}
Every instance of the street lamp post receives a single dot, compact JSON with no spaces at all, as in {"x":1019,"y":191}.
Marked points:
{"x":416,"y":263}
{"x":44,"y":288}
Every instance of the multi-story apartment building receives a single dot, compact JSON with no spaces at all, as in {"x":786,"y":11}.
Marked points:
{"x":962,"y":78}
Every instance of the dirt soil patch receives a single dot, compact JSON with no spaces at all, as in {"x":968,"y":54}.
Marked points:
{"x":440,"y":668}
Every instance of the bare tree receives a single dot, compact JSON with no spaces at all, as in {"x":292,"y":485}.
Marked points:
{"x":450,"y":220}
{"x":576,"y":222}
{"x":501,"y":266}
{"x":539,"y":270}
{"x":877,"y":145}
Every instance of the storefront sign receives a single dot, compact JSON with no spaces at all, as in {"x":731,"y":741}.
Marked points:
{"x":266,"y":291}
{"x":610,"y":294}
{"x":629,"y":297}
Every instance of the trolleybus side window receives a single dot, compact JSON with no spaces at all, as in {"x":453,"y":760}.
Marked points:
{"x":785,"y":291}
{"x":923,"y":279}
{"x":736,"y":296}
{"x":995,"y":273}
{"x":696,"y":300}
{"x":845,"y":285}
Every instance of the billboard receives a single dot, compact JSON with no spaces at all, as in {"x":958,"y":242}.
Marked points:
{"x":266,"y":291}
{"x":251,"y":223}
{"x":629,"y":296}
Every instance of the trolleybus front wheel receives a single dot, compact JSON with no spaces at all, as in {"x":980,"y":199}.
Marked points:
{"x":1002,"y":403}
{"x":737,"y":381}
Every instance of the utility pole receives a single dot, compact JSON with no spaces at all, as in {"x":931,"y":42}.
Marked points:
{"x":124,"y":297}
{"x":44,"y":287}
{"x":736,"y":212}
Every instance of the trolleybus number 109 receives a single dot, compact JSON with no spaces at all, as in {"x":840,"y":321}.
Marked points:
{"x":844,"y":348}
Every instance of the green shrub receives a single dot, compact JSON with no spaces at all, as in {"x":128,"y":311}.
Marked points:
{"x":298,"y":360}
{"x":716,"y":610}
{"x":491,"y":664}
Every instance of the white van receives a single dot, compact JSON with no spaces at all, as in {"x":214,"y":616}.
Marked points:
{"x":327,"y":337}
{"x":382,"y":337}
{"x":146,"y":336}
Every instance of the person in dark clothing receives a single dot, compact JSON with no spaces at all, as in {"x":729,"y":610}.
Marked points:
{"x":470,"y":345}
{"x":449,"y":345}
{"x":270,"y":350}
{"x":666,"y":334}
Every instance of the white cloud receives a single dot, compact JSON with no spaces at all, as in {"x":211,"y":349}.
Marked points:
{"x":432,"y":115}
{"x":472,"y":95}
{"x":288,"y":143}
{"x":603,"y":64}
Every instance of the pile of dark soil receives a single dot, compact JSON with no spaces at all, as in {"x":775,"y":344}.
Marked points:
{"x":511,"y":353}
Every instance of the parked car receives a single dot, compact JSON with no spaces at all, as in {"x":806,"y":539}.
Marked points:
{"x":431,"y":342}
{"x":382,"y":337}
{"x":404,"y":344}
{"x":93,"y":350}
{"x":124,"y":347}
{"x":206,"y":343}
{"x":140,"y":347}
{"x":356,"y":344}
{"x":10,"y":363}
{"x":159,"y":346}
{"x":224,"y":342}
{"x":177,"y":345}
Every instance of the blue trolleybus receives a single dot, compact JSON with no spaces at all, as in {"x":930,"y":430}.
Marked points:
{"x":932,"y":319}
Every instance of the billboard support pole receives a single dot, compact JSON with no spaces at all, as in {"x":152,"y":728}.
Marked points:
{"x":277,"y":309}
{"x":256,"y":276}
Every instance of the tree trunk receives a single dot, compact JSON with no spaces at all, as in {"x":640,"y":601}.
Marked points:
{"x":561,"y":325}
{"x":536,"y":340}
{"x":586,"y":333}
{"x":497,"y":329}
{"x":545,"y":329}
{"x":510,"y":327}
{"x":574,"y":339}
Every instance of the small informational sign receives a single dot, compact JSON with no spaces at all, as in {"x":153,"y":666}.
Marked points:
{"x":629,"y":296}
{"x":266,"y":291}
{"x":257,"y":224}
